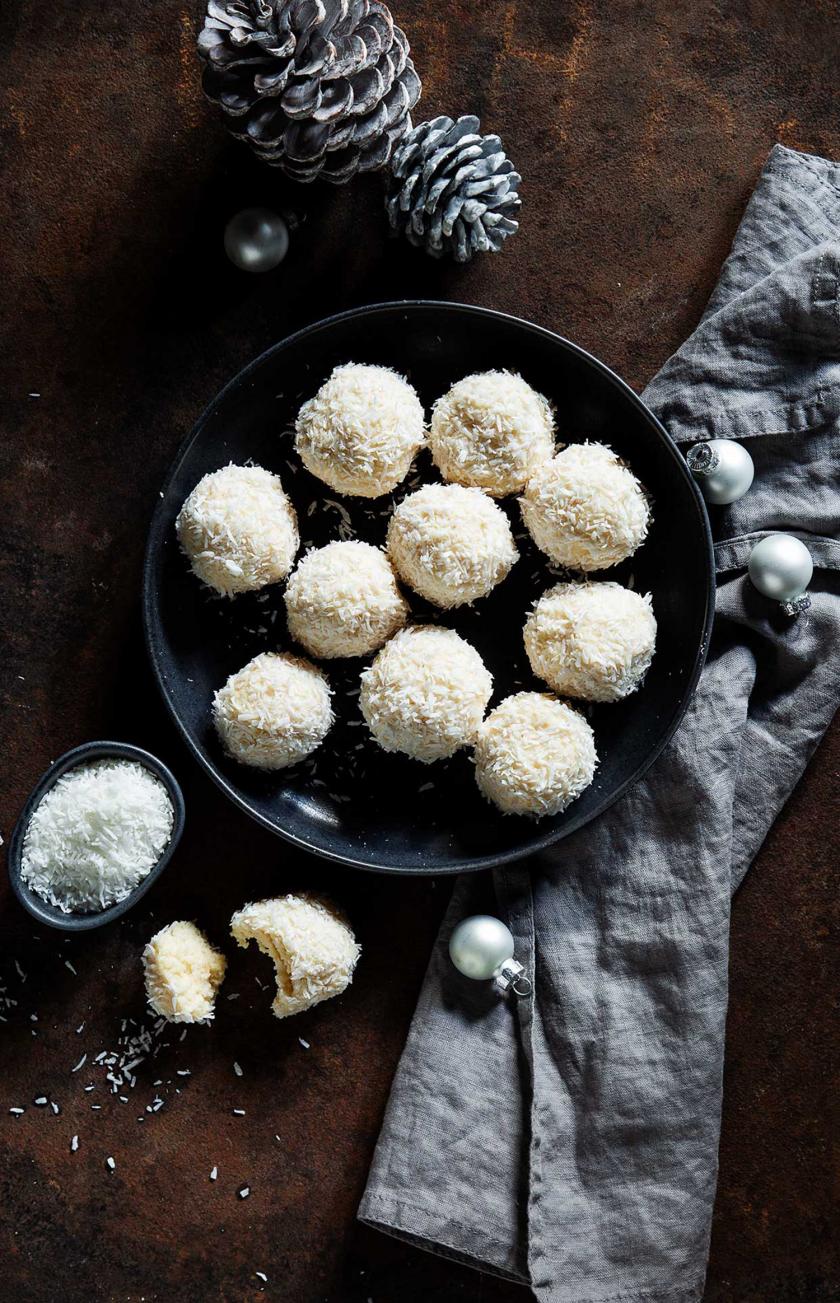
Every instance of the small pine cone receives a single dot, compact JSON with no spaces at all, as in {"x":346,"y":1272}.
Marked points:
{"x":452,"y":190}
{"x":319,"y":88}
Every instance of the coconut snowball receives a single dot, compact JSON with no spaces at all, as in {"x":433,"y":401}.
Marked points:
{"x":491,"y":431}
{"x":182,"y":973}
{"x":239,"y":529}
{"x":594,"y":641}
{"x":585,"y":509}
{"x":425,"y":694}
{"x":361,"y":431}
{"x":450,"y":544}
{"x":534,"y":755}
{"x":273,"y":712}
{"x":312,"y":945}
{"x":343,"y":600}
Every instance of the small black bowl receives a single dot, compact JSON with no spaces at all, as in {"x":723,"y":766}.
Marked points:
{"x":41,"y":909}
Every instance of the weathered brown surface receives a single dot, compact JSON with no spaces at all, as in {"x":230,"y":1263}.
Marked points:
{"x":639,"y":130}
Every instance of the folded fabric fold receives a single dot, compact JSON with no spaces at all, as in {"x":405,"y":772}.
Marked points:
{"x":570,"y":1140}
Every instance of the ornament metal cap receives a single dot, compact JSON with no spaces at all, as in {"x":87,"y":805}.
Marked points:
{"x":702,"y":459}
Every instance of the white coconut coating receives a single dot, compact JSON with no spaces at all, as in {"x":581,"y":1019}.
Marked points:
{"x":182,"y":973}
{"x":450,"y":544}
{"x":343,"y":600}
{"x":491,"y":431}
{"x":425,"y":694}
{"x":239,"y":529}
{"x":361,"y":431}
{"x":534,"y":755}
{"x":594,"y":641}
{"x":273,"y":712}
{"x":585,"y":509}
{"x":312,"y":946}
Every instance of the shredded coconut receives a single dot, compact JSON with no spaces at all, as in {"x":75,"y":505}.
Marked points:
{"x":273,"y":712}
{"x":182,"y":973}
{"x":361,"y":431}
{"x":343,"y":600}
{"x":425,"y":694}
{"x":239,"y":529}
{"x":311,"y":943}
{"x":534,"y":755}
{"x":585,"y":509}
{"x":451,"y":544}
{"x":594,"y":641}
{"x":100,"y":829}
{"x":491,"y":430}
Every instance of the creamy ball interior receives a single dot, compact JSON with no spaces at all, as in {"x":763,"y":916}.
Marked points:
{"x":593,"y":641}
{"x":450,"y":544}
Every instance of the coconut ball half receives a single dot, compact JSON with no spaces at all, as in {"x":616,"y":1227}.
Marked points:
{"x":534,"y":755}
{"x":311,"y":943}
{"x":585,"y":509}
{"x":361,"y":431}
{"x":491,"y":431}
{"x":343,"y":600}
{"x":182,"y":973}
{"x":239,"y":529}
{"x":594,"y":641}
{"x":273,"y":712}
{"x":425,"y":694}
{"x":450,"y":544}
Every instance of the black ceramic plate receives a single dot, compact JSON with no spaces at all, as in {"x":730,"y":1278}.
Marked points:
{"x":351,"y":801}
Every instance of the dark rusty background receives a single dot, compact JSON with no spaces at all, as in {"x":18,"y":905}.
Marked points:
{"x":639,"y":129}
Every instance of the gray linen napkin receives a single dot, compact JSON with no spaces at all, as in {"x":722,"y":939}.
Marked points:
{"x":570,"y":1141}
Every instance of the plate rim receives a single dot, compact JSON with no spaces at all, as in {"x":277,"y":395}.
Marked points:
{"x":150,"y":618}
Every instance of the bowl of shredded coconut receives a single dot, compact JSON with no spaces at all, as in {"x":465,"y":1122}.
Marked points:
{"x":97,"y":830}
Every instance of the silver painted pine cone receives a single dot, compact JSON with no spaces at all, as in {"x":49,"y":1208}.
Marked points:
{"x":319,"y":88}
{"x":452,"y":190}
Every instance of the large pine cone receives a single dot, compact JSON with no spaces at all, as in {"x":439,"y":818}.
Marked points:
{"x":452,"y":190}
{"x":319,"y":88}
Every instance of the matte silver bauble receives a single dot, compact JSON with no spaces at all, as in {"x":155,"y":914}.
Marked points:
{"x":481,"y":947}
{"x":723,"y":470}
{"x":780,"y":567}
{"x":256,"y":239}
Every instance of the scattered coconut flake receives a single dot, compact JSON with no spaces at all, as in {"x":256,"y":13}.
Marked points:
{"x":244,"y":1191}
{"x":111,"y":1164}
{"x":237,"y":1069}
{"x":17,"y":1111}
{"x":304,"y":1043}
{"x":80,"y":1064}
{"x":74,"y":1144}
{"x":214,"y":1172}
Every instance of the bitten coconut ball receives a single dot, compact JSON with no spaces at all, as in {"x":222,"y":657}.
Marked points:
{"x":450,"y":544}
{"x":491,"y":431}
{"x":425,"y":694}
{"x":361,"y":431}
{"x":534,"y":755}
{"x":182,"y":973}
{"x":343,"y":600}
{"x":585,"y":509}
{"x":593,"y":641}
{"x":273,"y":712}
{"x":312,"y":946}
{"x":239,"y":529}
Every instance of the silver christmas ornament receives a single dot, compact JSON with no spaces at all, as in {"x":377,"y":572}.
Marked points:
{"x":482,"y":947}
{"x":722,"y":468}
{"x":780,"y":567}
{"x":256,"y":239}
